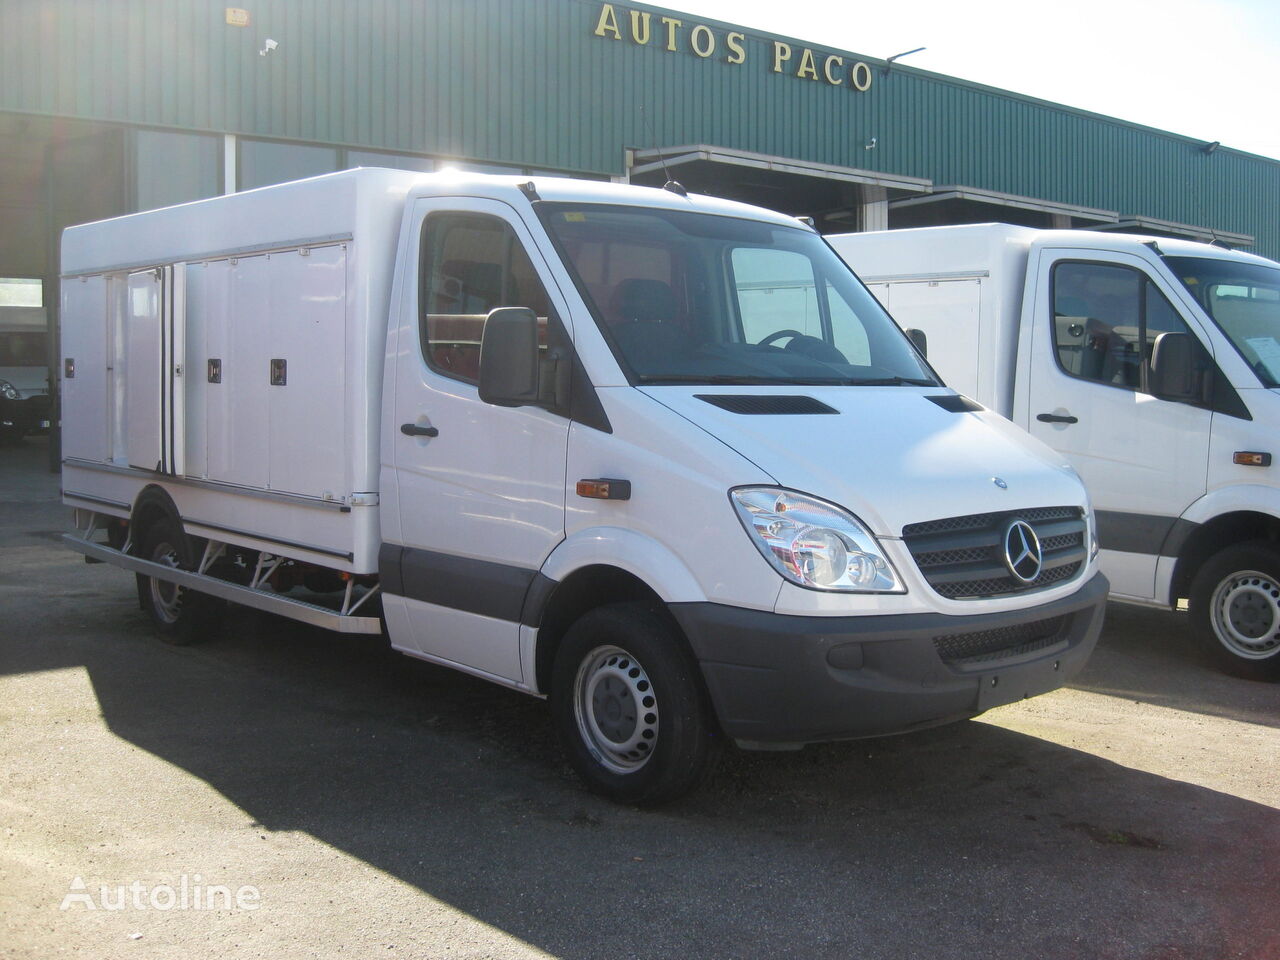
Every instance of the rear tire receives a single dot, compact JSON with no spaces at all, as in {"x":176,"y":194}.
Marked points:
{"x":180,"y":616}
{"x":1235,"y":608}
{"x":629,"y":706}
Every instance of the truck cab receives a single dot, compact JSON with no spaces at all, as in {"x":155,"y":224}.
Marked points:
{"x":1152,"y":364}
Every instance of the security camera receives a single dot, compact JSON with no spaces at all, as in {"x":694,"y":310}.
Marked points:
{"x":267,"y":47}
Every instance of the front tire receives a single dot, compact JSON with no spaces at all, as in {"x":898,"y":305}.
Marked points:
{"x":180,"y":616}
{"x":1235,"y":607}
{"x":629,"y":706}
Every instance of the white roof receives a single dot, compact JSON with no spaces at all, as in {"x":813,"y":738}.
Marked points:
{"x":1100,"y":239}
{"x":335,"y":205}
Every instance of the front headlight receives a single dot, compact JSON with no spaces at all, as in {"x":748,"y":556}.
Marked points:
{"x":814,"y":543}
{"x":9,"y":391}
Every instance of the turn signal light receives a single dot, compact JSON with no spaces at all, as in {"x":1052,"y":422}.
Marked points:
{"x":605,"y":489}
{"x":1251,"y":458}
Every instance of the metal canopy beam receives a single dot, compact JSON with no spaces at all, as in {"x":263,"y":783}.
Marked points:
{"x":995,"y":198}
{"x":657,"y":159}
{"x":1137,"y":224}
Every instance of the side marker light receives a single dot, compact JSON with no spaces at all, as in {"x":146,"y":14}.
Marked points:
{"x":1251,"y":458}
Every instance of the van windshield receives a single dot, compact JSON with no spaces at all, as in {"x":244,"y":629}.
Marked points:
{"x":698,"y":298}
{"x":1243,"y":299}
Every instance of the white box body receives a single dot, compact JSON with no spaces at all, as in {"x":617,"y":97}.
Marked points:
{"x":234,"y":349}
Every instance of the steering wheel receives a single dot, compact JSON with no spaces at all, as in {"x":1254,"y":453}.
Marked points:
{"x":778,"y":335}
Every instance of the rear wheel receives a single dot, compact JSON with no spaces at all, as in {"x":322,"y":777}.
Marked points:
{"x":629,"y":706}
{"x":180,"y":615}
{"x":1235,"y":606}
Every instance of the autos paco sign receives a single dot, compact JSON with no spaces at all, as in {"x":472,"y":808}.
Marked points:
{"x":672,"y":34}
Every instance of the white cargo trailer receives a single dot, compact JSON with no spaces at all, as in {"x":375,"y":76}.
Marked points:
{"x":1153,"y":365}
{"x":660,"y":458}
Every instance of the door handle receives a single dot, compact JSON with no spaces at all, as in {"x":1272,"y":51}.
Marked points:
{"x":1056,"y":418}
{"x":413,"y":430}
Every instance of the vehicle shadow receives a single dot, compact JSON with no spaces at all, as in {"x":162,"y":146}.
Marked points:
{"x":965,"y":841}
{"x":1151,"y":655}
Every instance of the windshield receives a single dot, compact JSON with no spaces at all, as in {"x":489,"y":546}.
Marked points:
{"x":1243,"y":299}
{"x":697,"y":298}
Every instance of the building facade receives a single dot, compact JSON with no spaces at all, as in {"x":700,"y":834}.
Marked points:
{"x":111,"y":107}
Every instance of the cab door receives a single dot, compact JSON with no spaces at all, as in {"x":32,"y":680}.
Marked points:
{"x":1144,"y":460}
{"x":480,"y":489}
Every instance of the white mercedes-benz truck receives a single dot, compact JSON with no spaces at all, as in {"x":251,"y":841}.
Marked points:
{"x":1153,"y":366}
{"x":659,"y":458}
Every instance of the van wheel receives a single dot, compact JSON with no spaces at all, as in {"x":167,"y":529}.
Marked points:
{"x":1235,"y":607}
{"x":629,"y":706}
{"x":180,"y":616}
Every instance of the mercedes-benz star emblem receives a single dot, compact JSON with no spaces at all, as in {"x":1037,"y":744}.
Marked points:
{"x":1000,"y":483}
{"x":1022,"y":551}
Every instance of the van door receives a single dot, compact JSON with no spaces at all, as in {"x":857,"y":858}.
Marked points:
{"x":87,"y":385}
{"x":480,"y":488}
{"x":1096,"y":317}
{"x":155,"y":348}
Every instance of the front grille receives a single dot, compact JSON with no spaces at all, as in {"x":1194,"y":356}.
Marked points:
{"x":1000,"y":643}
{"x":962,"y":558}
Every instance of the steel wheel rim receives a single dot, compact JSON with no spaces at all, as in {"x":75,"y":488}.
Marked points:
{"x":615,"y":709}
{"x":1245,"y":614}
{"x":166,"y":597}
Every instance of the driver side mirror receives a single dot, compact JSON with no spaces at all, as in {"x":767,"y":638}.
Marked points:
{"x":509,"y":358}
{"x":1173,"y":374}
{"x":917,"y":336}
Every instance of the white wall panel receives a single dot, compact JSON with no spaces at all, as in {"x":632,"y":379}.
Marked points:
{"x":948,"y":312}
{"x":242,"y":432}
{"x":307,"y":329}
{"x":85,"y":401}
{"x":199,"y":299}
{"x":143,"y":380}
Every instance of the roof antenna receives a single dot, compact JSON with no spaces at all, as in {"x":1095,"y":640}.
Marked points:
{"x":673,"y":185}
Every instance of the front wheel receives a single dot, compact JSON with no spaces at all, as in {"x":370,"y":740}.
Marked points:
{"x":1235,"y":607}
{"x":629,"y":706}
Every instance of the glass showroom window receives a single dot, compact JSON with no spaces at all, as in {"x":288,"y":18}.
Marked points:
{"x":396,"y":161}
{"x":263,"y":162}
{"x":174,"y":168}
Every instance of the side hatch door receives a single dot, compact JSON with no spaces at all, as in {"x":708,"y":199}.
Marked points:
{"x":480,"y":489}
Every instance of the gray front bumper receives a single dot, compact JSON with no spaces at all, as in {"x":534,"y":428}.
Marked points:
{"x":782,"y":680}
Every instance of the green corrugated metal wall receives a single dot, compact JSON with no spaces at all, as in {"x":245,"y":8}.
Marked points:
{"x":527,"y":82}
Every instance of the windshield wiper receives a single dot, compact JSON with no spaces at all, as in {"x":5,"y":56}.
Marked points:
{"x":716,"y":378}
{"x":733,"y":379}
{"x":891,"y":382}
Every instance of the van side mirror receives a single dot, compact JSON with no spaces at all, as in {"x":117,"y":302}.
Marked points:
{"x":917,"y":336}
{"x":1173,"y":374}
{"x":509,"y":358}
